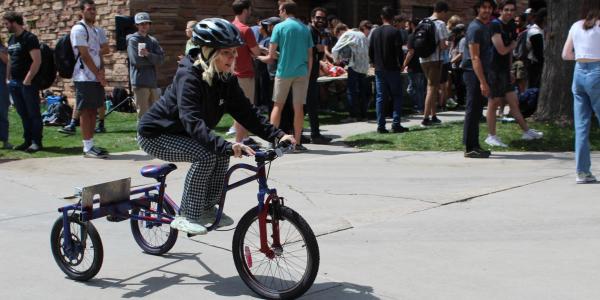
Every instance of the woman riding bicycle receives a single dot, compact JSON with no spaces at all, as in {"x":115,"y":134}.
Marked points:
{"x":179,"y":127}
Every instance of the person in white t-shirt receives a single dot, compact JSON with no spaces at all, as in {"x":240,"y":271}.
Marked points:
{"x":88,"y":76}
{"x":583,"y":45}
{"x":432,"y":65}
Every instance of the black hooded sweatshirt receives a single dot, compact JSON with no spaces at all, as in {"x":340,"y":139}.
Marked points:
{"x":192,"y":108}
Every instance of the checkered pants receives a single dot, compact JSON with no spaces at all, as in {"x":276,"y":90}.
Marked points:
{"x":205,"y":179}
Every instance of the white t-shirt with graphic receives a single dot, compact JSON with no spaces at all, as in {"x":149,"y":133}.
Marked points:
{"x":93,"y":39}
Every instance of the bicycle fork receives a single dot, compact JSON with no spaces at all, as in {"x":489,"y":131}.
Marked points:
{"x":273,"y":204}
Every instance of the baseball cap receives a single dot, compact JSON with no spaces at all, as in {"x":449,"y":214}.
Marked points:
{"x":142,"y":17}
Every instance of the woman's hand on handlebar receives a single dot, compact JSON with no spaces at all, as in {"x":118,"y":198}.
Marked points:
{"x":289,"y":138}
{"x":240,"y":149}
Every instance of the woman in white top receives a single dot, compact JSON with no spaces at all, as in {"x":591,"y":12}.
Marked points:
{"x":583,"y":45}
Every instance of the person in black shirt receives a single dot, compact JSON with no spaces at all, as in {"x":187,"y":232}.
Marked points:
{"x":504,"y":36}
{"x":416,"y":79}
{"x":535,"y":46}
{"x":317,"y":26}
{"x":23,"y":64}
{"x":386,"y":54}
{"x":179,"y":127}
{"x":476,"y":63}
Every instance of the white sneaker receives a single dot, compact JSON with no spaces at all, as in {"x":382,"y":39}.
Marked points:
{"x":231,"y":131}
{"x":209,"y":216}
{"x":450,"y":103}
{"x":583,"y":178}
{"x":494,"y":141}
{"x":532,"y":134}
{"x":183,"y":224}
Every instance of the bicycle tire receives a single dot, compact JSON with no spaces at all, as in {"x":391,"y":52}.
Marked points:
{"x":246,"y":271}
{"x":68,"y":265}
{"x":155,"y":247}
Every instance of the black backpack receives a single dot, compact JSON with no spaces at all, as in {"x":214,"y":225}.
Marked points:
{"x":424,"y":41}
{"x":65,"y":57}
{"x":521,"y":51}
{"x":46,"y":75}
{"x":120,"y":95}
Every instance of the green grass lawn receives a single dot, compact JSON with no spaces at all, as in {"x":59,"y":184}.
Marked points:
{"x":120,"y":135}
{"x":449,"y":138}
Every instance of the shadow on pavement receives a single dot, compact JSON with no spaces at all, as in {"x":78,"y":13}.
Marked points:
{"x":133,"y":157}
{"x":525,"y":156}
{"x":226,"y":287}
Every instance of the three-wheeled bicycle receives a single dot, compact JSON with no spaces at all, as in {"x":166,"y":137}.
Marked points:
{"x":274,"y":249}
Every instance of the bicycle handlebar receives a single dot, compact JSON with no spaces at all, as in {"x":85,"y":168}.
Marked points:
{"x":272,"y":154}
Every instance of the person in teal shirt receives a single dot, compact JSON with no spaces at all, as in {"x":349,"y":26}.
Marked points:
{"x":294,"y":41}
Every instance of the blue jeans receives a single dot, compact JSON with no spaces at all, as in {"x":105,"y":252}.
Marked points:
{"x":4,"y":105}
{"x":417,"y":89}
{"x":388,"y":83}
{"x":27,"y":103}
{"x":586,"y":96}
{"x":357,"y":94}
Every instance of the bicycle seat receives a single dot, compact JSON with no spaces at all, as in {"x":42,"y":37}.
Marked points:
{"x":156,"y":172}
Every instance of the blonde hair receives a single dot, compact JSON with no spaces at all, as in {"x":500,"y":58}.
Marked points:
{"x":191,"y":24}
{"x":207,"y":61}
{"x":453,"y":21}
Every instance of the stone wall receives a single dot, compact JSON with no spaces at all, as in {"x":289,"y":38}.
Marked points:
{"x":51,"y":19}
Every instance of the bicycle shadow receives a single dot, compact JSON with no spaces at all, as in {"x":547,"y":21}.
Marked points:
{"x":213,"y":282}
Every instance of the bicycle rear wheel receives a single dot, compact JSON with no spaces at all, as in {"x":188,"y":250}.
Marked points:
{"x":283,"y":273}
{"x":153,"y":237}
{"x":83,"y":259}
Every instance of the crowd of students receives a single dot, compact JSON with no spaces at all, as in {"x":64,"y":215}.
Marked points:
{"x":489,"y":62}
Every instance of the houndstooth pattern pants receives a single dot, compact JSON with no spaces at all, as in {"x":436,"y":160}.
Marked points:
{"x":206,"y":178}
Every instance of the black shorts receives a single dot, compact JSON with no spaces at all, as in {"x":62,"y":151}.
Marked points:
{"x":89,"y":95}
{"x":499,"y":82}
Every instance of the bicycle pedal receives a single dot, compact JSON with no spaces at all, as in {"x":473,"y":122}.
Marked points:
{"x":112,"y":218}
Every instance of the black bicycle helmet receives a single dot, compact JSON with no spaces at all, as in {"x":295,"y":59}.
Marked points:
{"x":216,"y":33}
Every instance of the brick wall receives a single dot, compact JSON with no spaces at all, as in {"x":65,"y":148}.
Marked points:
{"x":51,"y":19}
{"x":457,"y":7}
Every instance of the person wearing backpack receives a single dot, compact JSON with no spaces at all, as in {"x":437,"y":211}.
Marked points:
{"x":23,"y":64}
{"x":499,"y":77}
{"x":385,"y":51}
{"x":431,"y":39}
{"x":88,"y":75}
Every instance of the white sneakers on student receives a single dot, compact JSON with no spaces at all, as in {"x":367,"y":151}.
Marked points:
{"x":583,"y":178}
{"x":495,"y":141}
{"x":198,"y":227}
{"x":532,"y":134}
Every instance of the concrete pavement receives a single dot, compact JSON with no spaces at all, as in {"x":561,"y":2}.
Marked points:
{"x":391,"y":225}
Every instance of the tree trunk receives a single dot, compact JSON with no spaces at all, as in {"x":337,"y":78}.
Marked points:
{"x":556,"y":100}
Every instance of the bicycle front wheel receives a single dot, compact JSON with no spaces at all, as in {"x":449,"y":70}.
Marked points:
{"x":284,"y":272}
